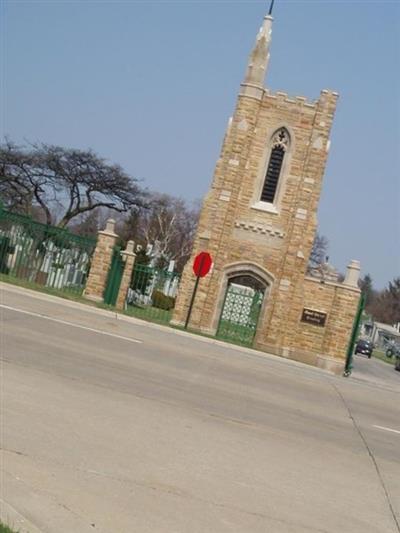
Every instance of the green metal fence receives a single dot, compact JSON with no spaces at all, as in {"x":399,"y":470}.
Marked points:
{"x":43,"y":255}
{"x":240,"y":312}
{"x":152,"y":293}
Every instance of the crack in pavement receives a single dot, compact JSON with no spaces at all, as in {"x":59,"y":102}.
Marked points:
{"x":163,"y":488}
{"x":169,"y":489}
{"x":371,"y":455}
{"x":50,"y":495}
{"x":13,"y":451}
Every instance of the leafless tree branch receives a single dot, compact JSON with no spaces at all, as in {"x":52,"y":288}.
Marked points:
{"x":51,"y":176}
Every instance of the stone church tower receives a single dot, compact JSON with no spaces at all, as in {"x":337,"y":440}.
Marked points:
{"x":258,"y":222}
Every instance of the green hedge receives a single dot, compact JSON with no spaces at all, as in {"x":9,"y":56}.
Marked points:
{"x":162,"y":301}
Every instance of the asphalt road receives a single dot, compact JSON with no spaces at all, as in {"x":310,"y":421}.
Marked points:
{"x":375,"y":372}
{"x":117,"y":426}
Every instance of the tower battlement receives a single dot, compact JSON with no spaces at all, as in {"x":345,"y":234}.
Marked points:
{"x":325,"y":97}
{"x":251,"y":91}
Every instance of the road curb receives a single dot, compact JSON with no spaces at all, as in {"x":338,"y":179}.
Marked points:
{"x":15,"y":520}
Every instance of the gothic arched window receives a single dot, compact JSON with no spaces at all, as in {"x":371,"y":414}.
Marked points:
{"x":279,"y":146}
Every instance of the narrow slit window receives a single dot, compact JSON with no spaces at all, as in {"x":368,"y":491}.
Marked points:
{"x":280,"y":144}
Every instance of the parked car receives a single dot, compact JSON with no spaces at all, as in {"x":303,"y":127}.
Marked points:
{"x":393,"y":349}
{"x":365,"y":347}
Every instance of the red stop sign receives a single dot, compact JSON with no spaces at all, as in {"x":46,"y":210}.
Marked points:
{"x":202,"y":264}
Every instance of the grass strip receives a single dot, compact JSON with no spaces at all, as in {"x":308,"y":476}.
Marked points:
{"x":67,"y":295}
{"x":379,"y":354}
{"x":5,"y":529}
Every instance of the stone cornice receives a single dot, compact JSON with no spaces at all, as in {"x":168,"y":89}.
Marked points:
{"x":260,"y":229}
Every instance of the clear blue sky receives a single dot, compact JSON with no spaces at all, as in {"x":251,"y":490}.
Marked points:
{"x":151,"y":85}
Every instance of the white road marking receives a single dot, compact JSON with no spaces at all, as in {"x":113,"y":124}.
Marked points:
{"x":66,"y":323}
{"x":388,"y":429}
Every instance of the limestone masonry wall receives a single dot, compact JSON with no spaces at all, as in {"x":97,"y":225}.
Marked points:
{"x":101,"y":261}
{"x":325,"y":346}
{"x":129,"y":258}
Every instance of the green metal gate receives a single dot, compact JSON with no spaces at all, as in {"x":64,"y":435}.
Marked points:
{"x":240,"y":313}
{"x":114,"y":278}
{"x":152,"y":293}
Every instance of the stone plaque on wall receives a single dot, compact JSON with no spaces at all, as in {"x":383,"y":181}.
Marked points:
{"x":310,"y":316}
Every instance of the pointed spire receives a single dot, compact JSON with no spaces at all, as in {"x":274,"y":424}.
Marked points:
{"x":259,"y":57}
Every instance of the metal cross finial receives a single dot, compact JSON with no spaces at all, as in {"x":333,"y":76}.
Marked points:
{"x":271,"y":7}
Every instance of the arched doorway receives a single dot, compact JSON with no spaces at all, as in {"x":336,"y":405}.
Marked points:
{"x":241,"y":308}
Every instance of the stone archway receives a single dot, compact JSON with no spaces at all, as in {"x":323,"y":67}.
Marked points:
{"x":242,"y":297}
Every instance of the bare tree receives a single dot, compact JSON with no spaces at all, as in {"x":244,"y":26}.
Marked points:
{"x":319,"y":250}
{"x":168,"y":224}
{"x":16,"y":190}
{"x":64,"y":181}
{"x":88,"y":224}
{"x":366,"y":287}
{"x":385,"y":305}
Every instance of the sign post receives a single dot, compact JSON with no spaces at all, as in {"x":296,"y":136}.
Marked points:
{"x":354,"y":334}
{"x":201,"y":267}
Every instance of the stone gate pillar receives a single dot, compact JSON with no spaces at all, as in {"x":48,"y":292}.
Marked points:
{"x":101,"y":262}
{"x":128,"y":256}
{"x":352,"y":273}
